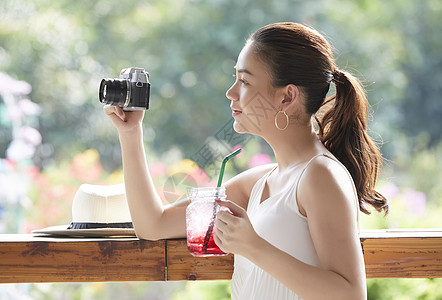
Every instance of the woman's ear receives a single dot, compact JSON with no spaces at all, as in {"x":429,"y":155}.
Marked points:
{"x":291,"y":96}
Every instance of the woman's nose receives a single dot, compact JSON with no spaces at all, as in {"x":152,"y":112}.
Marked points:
{"x":231,"y":94}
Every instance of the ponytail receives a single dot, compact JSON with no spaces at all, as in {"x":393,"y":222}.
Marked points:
{"x":343,"y":131}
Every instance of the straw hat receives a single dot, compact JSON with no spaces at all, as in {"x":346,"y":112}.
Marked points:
{"x":97,"y":211}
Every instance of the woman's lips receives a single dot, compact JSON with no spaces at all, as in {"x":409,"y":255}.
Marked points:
{"x":235,"y":112}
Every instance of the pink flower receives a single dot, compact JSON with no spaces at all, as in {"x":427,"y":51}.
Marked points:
{"x":86,"y":166}
{"x":416,"y":201}
{"x":30,"y":135}
{"x":6,"y":166}
{"x":24,"y":107}
{"x":389,"y":190}
{"x":33,"y":172}
{"x":9,"y":85}
{"x":19,"y":150}
{"x":236,"y":148}
{"x":28,"y":107}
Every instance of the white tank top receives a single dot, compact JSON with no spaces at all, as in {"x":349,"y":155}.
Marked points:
{"x":278,"y":221}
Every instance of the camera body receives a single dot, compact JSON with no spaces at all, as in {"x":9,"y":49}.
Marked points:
{"x":131,"y":90}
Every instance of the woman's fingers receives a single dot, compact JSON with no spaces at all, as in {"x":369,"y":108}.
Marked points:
{"x":115,"y":111}
{"x":108,"y":109}
{"x":234,"y":232}
{"x":217,"y":237}
{"x":120,"y":113}
{"x":233,"y":207}
{"x":230,"y":215}
{"x":224,"y":217}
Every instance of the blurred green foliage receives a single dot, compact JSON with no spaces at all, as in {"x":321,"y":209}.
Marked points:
{"x":63,"y":48}
{"x":189,"y":48}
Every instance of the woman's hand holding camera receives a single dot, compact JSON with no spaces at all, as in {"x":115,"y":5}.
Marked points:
{"x":125,"y":121}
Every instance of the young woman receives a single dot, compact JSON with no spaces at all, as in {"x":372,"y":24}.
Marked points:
{"x":293,"y":225}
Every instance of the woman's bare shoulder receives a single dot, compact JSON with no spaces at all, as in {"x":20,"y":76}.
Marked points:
{"x":239,"y":187}
{"x":326,"y":182}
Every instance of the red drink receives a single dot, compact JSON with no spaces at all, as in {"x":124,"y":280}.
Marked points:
{"x":195,"y":244}
{"x":200,"y":218}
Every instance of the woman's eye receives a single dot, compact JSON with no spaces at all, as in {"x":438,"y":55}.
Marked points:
{"x":243,"y":81}
{"x":240,"y":79}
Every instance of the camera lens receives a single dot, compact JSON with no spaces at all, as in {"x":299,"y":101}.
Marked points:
{"x":114,"y":92}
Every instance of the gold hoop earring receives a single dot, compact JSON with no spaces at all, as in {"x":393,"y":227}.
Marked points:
{"x":286,"y":118}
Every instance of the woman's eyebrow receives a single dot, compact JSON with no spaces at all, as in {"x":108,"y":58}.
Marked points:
{"x":243,"y":71}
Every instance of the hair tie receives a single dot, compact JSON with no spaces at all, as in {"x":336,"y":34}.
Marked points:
{"x":336,"y":76}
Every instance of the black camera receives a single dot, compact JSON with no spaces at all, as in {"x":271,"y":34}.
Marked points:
{"x":131,"y":91}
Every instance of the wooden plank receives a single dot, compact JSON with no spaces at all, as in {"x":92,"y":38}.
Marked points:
{"x":403,"y":257}
{"x":386,"y":255}
{"x":78,"y":260}
{"x":26,"y":258}
{"x":181,"y":265}
{"x":403,"y":253}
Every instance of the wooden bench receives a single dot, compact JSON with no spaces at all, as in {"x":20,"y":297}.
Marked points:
{"x":28,"y":258}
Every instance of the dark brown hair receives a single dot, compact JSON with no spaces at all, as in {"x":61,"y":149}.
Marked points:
{"x":299,"y":55}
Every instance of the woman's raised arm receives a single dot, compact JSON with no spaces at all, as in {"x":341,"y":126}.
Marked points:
{"x":152,"y":220}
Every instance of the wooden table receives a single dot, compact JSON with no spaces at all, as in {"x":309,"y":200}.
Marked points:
{"x":28,"y":258}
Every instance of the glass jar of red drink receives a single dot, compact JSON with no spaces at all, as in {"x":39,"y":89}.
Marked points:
{"x":200,"y":218}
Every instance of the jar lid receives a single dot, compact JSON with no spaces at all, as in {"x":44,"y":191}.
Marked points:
{"x":202,"y":192}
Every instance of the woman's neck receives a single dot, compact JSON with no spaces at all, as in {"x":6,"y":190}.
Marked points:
{"x":295,"y":145}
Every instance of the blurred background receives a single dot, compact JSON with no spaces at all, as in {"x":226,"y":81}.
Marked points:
{"x":54,"y":135}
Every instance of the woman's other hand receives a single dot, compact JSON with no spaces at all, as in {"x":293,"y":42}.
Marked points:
{"x":233,"y":231}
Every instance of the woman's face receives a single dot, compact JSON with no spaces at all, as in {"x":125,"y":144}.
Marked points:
{"x":252,"y":95}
